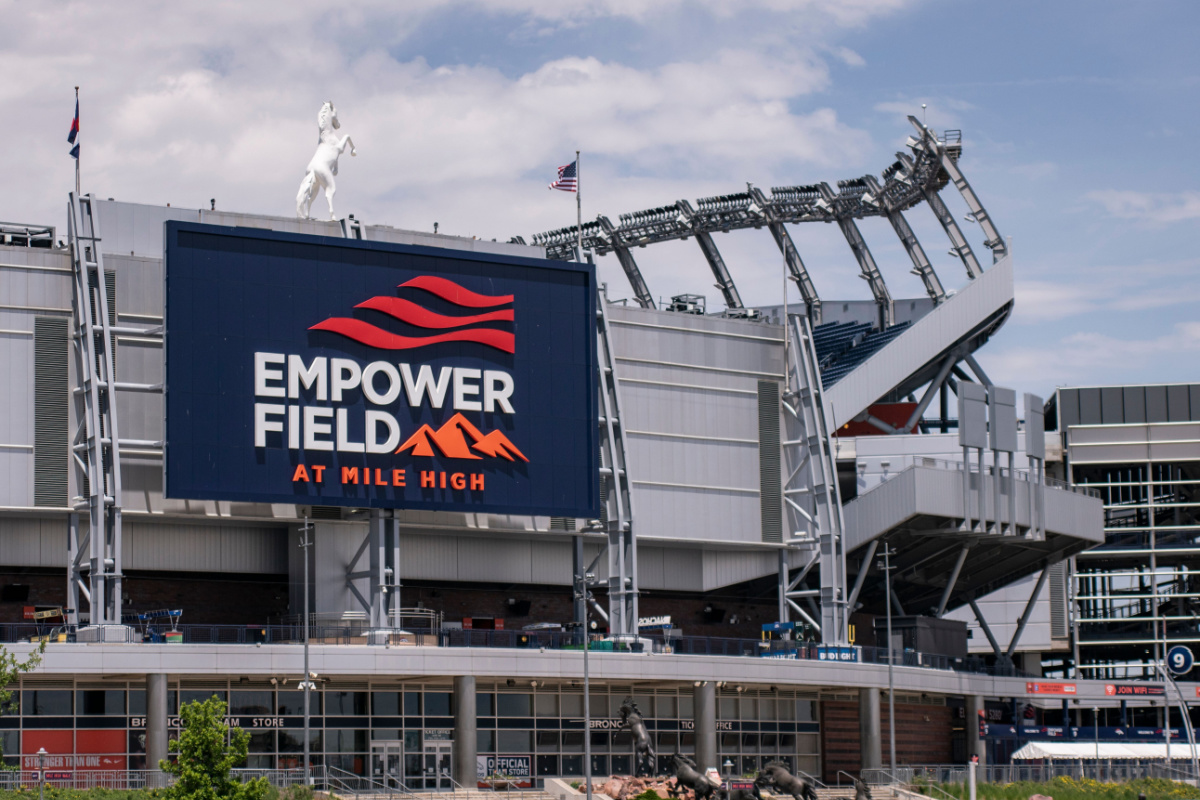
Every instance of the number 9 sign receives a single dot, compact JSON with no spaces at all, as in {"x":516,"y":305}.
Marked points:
{"x":1179,"y":659}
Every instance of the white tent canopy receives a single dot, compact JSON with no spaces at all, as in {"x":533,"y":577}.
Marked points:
{"x":1104,"y":750}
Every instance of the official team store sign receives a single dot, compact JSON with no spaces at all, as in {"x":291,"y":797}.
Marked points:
{"x":312,"y":370}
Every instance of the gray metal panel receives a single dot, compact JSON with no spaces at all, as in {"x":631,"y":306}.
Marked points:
{"x":725,"y":568}
{"x":972,"y":415}
{"x":769,"y":480}
{"x":26,"y":542}
{"x":51,"y":394}
{"x":1178,"y":404}
{"x":225,"y":547}
{"x":1112,"y":405}
{"x":17,"y":419}
{"x":1068,"y":408}
{"x":1194,"y":392}
{"x":1156,"y":404}
{"x":1035,"y":426}
{"x":1002,"y":414}
{"x":1089,"y":407}
{"x":1135,"y":404}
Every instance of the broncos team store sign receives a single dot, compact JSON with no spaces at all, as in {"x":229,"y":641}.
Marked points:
{"x":311,"y":370}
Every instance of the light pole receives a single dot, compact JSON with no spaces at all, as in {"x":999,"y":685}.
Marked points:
{"x":888,"y":552}
{"x":41,"y":754}
{"x":581,"y":594}
{"x":307,"y":683}
{"x":1096,"y":730}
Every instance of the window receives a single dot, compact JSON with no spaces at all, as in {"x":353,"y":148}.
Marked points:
{"x":262,"y":742}
{"x":599,"y":740}
{"x":572,"y":741}
{"x":385,"y":704}
{"x":547,"y":765}
{"x":41,"y":703}
{"x":485,"y":704}
{"x":345,"y":704}
{"x":599,"y":765}
{"x":485,"y":741}
{"x":438,"y":704}
{"x":100,"y":702}
{"x":727,"y":708}
{"x":514,"y":741}
{"x":686,"y":706}
{"x":291,"y":704}
{"x":345,"y":741}
{"x":806,"y":710}
{"x":547,"y":740}
{"x":668,"y":739}
{"x":513,"y":705}
{"x":667,"y":707}
{"x":251,"y":704}
{"x":572,"y":705}
{"x":572,"y":765}
{"x":412,"y":704}
{"x":545,"y":705}
{"x":292,"y":740}
{"x":199,"y":695}
{"x":137,"y":701}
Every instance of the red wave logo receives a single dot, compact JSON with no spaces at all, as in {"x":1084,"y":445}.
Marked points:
{"x":450,"y":440}
{"x":418,"y":316}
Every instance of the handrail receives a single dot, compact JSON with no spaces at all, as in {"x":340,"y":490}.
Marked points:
{"x":345,"y":781}
{"x":812,"y":779}
{"x":842,"y":772}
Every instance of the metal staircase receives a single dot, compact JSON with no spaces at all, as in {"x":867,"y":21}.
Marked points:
{"x":812,"y":505}
{"x":96,"y":446}
{"x":614,"y":482}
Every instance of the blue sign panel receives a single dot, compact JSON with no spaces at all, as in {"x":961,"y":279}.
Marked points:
{"x":311,"y":370}
{"x":1179,"y":659}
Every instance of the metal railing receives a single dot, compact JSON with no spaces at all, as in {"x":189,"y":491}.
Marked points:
{"x":130,"y":779}
{"x":345,"y":783}
{"x":1114,"y":771}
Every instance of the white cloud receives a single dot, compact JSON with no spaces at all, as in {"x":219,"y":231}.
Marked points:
{"x":1155,"y":208}
{"x":1079,"y":357}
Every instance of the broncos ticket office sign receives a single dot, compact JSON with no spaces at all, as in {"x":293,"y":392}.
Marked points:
{"x":312,"y":370}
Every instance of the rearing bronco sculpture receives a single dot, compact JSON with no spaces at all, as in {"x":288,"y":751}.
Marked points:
{"x":631,"y":720}
{"x":776,"y":774}
{"x":689,"y":776}
{"x":323,"y":166}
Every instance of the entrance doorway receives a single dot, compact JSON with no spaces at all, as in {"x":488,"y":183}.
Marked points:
{"x":437,"y":765}
{"x":386,"y":761}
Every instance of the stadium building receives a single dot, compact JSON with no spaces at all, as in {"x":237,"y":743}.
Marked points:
{"x":760,"y":490}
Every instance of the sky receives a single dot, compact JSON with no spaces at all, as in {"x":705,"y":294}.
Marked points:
{"x":1078,"y":122}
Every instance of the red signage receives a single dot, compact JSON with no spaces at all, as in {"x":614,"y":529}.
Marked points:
{"x":1134,"y":690}
{"x":1032,"y":687}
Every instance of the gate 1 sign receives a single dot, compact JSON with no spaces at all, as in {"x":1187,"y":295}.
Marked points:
{"x":311,"y":370}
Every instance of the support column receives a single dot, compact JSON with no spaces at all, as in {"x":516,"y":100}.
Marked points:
{"x":974,"y":743}
{"x":870,"y":728}
{"x":704,"y":704}
{"x":156,"y":725}
{"x":465,"y":771}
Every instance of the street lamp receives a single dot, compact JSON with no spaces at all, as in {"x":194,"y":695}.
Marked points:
{"x":306,"y":684}
{"x":886,"y":566}
{"x":41,"y":754}
{"x":581,"y":596}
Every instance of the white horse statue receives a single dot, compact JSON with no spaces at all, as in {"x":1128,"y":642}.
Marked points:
{"x":323,"y":166}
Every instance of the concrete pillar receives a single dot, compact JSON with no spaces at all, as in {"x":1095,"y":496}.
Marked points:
{"x":974,"y":743}
{"x":156,"y":721}
{"x":704,"y":703}
{"x":465,"y":771}
{"x":870,"y":729}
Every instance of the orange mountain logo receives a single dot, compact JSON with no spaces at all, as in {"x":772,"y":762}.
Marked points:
{"x":451,"y":441}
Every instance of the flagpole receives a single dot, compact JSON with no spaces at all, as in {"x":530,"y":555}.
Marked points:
{"x":77,"y":157}
{"x":578,"y":208}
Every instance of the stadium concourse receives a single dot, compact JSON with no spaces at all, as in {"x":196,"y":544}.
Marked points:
{"x":441,"y":460}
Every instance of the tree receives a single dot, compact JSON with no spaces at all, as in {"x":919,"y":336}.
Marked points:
{"x":207,"y":752}
{"x":11,"y":670}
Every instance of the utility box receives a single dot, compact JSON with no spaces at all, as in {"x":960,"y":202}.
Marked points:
{"x":943,"y":637}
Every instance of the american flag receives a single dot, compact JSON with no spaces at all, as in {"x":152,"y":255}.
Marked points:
{"x":73,"y":136}
{"x":566,"y":179}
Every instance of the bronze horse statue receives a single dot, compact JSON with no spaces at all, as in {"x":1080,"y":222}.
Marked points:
{"x":631,"y":720}
{"x":776,"y":774}
{"x":689,"y":776}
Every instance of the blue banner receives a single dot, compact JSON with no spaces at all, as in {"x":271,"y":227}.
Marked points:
{"x":311,"y":370}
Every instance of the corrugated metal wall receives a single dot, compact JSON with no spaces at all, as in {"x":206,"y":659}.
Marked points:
{"x":50,"y":411}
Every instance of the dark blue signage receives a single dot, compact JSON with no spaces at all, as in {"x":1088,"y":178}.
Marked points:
{"x":1073,"y":733}
{"x":311,"y":370}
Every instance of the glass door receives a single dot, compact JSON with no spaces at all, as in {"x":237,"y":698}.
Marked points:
{"x":437,"y":765}
{"x":386,"y":761}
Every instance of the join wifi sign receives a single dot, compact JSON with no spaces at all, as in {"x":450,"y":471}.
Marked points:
{"x":322,"y":371}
